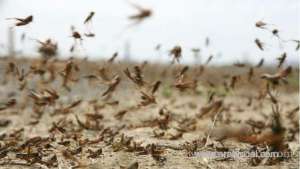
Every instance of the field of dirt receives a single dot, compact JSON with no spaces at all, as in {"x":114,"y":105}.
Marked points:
{"x":82,"y":114}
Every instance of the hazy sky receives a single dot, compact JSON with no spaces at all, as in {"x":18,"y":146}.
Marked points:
{"x":229,"y":24}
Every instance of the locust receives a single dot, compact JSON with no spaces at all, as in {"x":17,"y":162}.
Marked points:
{"x":113,"y":57}
{"x":67,"y":109}
{"x":135,"y":77}
{"x":112,"y":85}
{"x":89,"y":35}
{"x":261,"y":24}
{"x":260,"y":63}
{"x":182,"y":84}
{"x":48,"y":48}
{"x":210,"y":109}
{"x":146,"y":98}
{"x":47,"y":96}
{"x":94,"y":154}
{"x":10,"y":103}
{"x":209,"y":59}
{"x":142,"y":14}
{"x":89,"y":17}
{"x":176,"y":52}
{"x":281,"y":59}
{"x":23,"y":21}
{"x":119,"y":115}
{"x":67,"y":74}
{"x":76,"y":35}
{"x":277,"y":77}
{"x":259,"y":44}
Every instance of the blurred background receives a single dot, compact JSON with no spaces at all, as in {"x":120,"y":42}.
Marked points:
{"x":229,"y":25}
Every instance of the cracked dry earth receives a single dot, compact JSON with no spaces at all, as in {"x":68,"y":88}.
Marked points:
{"x":82,"y":129}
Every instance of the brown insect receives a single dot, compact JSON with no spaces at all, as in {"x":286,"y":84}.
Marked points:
{"x":89,"y":35}
{"x":120,"y":114}
{"x":67,"y":109}
{"x":176,"y":52}
{"x":47,"y":96}
{"x":209,"y":59}
{"x":8,"y":104}
{"x":135,"y":77}
{"x":113,"y":57}
{"x":182,"y":84}
{"x":156,"y":152}
{"x":279,"y":76}
{"x":149,"y":98}
{"x":47,"y":48}
{"x":183,"y":71}
{"x":211,"y":109}
{"x":281,"y":59}
{"x":67,"y":74}
{"x":261,"y":24}
{"x":33,"y":141}
{"x":275,"y":32}
{"x":21,"y":75}
{"x":259,"y":44}
{"x":210,"y":96}
{"x":94,"y":154}
{"x":89,"y":17}
{"x":103,"y":73}
{"x":260,"y":63}
{"x":94,"y":116}
{"x":66,"y":154}
{"x":23,"y":21}
{"x":29,"y":157}
{"x":155,"y":87}
{"x":56,"y":126}
{"x":112,"y":85}
{"x":76,"y":35}
{"x":87,"y":125}
{"x":274,"y":139}
{"x":142,"y":14}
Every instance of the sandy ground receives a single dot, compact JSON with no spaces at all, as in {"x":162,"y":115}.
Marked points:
{"x":159,"y":135}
